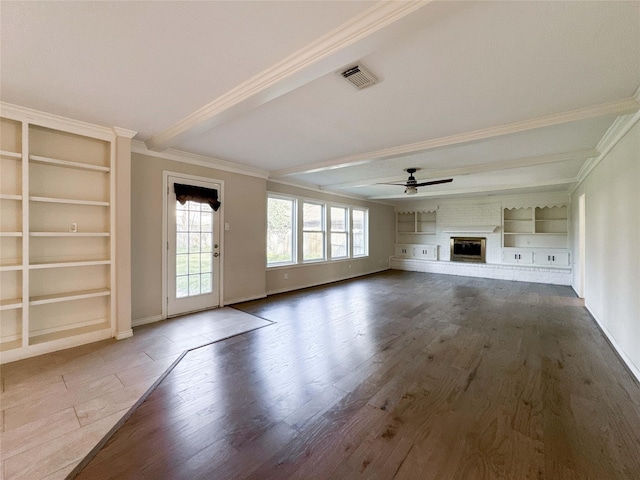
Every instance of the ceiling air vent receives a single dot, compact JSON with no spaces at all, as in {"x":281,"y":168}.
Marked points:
{"x":360,"y":76}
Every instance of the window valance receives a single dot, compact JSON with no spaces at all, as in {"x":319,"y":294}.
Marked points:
{"x":185,"y":193}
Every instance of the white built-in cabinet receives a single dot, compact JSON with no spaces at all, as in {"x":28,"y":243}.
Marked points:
{"x":535,"y":227}
{"x":536,"y":236}
{"x":57,"y":234}
{"x":416,"y":235}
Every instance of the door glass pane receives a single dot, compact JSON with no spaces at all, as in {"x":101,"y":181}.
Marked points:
{"x":194,"y":249}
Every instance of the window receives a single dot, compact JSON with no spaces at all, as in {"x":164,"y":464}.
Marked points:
{"x":302,"y":230}
{"x":339,"y":232}
{"x":312,"y":231}
{"x":359,"y":232}
{"x":280,"y":230}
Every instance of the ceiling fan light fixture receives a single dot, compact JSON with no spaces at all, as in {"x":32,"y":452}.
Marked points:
{"x":410,"y":190}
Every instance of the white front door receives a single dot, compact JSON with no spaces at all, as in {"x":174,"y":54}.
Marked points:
{"x":193,"y":252}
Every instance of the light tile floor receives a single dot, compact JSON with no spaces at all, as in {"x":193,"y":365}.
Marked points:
{"x":57,"y":407}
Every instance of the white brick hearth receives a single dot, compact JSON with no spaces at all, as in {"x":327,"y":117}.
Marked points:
{"x":555,"y":276}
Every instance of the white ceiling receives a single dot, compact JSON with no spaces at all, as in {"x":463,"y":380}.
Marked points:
{"x":499,"y":96}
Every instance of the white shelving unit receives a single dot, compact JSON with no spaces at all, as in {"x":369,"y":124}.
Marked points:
{"x":57,"y":220}
{"x":533,"y":227}
{"x":416,"y":234}
{"x":536,"y":235}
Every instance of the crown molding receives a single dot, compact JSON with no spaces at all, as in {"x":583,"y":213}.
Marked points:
{"x":318,"y":189}
{"x":280,"y":78}
{"x":49,"y":120}
{"x":139,"y":147}
{"x":618,"y":129}
{"x":123,"y":132}
{"x":618,"y":107}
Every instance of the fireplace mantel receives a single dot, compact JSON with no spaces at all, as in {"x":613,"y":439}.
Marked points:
{"x":470,"y":229}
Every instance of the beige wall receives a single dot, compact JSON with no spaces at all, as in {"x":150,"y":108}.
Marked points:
{"x":612,"y":227}
{"x":381,"y":239}
{"x":244,"y":206}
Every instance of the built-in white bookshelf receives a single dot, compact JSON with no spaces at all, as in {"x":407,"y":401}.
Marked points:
{"x":416,"y":234}
{"x":536,"y":236}
{"x":535,"y":227}
{"x":56,"y":232}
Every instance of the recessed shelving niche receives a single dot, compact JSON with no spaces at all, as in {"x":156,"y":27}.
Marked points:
{"x":56,"y":233}
{"x":535,"y":227}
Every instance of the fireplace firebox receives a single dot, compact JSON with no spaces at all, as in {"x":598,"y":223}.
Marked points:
{"x":468,"y":249}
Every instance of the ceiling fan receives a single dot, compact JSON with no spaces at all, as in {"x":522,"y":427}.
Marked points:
{"x":411,"y":185}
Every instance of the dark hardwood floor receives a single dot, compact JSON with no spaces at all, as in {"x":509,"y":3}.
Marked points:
{"x":398,"y":375}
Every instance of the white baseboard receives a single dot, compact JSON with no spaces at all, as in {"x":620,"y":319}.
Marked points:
{"x":623,"y":355}
{"x":125,"y":334}
{"x":231,"y":301}
{"x":146,"y":320}
{"x":317,"y":284}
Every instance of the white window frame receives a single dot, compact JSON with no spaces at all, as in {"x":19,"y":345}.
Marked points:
{"x":365,"y":211}
{"x":294,"y":229}
{"x":298,"y":230}
{"x":323,"y":230}
{"x":346,"y":232}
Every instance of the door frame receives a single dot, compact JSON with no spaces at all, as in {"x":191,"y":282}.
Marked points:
{"x":582,"y":246}
{"x":165,"y":240}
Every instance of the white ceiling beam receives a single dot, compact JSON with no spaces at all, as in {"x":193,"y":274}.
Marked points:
{"x":477,"y":190}
{"x":426,"y":174}
{"x":325,"y":55}
{"x":618,"y":107}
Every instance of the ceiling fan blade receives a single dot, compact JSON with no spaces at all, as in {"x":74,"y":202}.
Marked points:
{"x":400,"y":184}
{"x":434,"y":182}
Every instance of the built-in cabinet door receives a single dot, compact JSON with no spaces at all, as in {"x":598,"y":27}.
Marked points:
{"x":559,"y":259}
{"x":426,"y":252}
{"x":404,"y":251}
{"x":523,"y":257}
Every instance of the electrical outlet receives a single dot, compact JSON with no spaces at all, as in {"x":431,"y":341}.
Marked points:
{"x":286,"y":276}
{"x":73,"y":227}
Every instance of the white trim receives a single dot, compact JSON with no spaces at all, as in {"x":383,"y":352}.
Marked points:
{"x":125,"y":334}
{"x":34,"y":350}
{"x":610,"y":139}
{"x":124,"y":132}
{"x":322,"y":190}
{"x":146,"y":320}
{"x":244,"y":299}
{"x":49,"y":120}
{"x":70,"y":326}
{"x":620,"y":107}
{"x":518,"y":273}
{"x":317,"y":284}
{"x":198,"y":160}
{"x":165,"y":185}
{"x":620,"y":351}
{"x":286,"y":75}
